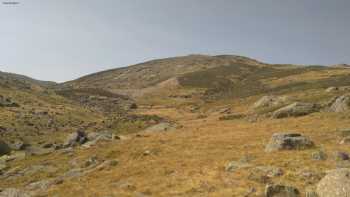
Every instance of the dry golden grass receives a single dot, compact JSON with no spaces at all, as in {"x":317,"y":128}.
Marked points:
{"x":307,"y":76}
{"x":191,"y":160}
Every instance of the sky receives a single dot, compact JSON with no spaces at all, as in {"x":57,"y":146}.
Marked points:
{"x":60,"y":40}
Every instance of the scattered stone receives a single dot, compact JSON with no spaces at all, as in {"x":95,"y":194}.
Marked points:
{"x":332,"y":89}
{"x":4,"y":148}
{"x":319,"y":155}
{"x":43,"y":185}
{"x":161,"y":127}
{"x":103,"y":135}
{"x":77,"y":138}
{"x":259,"y":177}
{"x":31,"y":170}
{"x":12,"y":192}
{"x":147,"y":152}
{"x":39,"y":151}
{"x":310,"y":176}
{"x":335,"y":184}
{"x":270,"y":101}
{"x":235,"y":165}
{"x":288,"y":141}
{"x":281,"y":191}
{"x":340,"y":104}
{"x":296,"y":109}
{"x":270,"y":171}
{"x":92,"y":161}
{"x":232,"y":117}
{"x":7,"y":102}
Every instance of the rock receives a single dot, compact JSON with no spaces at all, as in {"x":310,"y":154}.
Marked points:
{"x":4,"y":148}
{"x":310,"y":176}
{"x":288,"y":141}
{"x":77,"y":138}
{"x":235,"y":165}
{"x":270,"y":171}
{"x":161,"y":127}
{"x":332,"y":89}
{"x":270,"y":101}
{"x":92,"y":161}
{"x":335,"y":184}
{"x":6,"y":102}
{"x":31,"y":170}
{"x":319,"y":155}
{"x":259,"y":177}
{"x":39,"y":151}
{"x":345,"y":140}
{"x":231,"y":117}
{"x":341,"y":156}
{"x":340,"y":104}
{"x":17,"y":145}
{"x":12,"y":192}
{"x":103,"y":135}
{"x":281,"y":191}
{"x":43,"y":185}
{"x":296,"y":109}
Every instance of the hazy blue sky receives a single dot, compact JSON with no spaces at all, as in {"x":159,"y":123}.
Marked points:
{"x":62,"y":40}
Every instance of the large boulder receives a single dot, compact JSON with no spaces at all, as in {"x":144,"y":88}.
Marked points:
{"x":340,"y":104}
{"x":335,"y":184}
{"x":4,"y":148}
{"x":77,"y":138}
{"x":103,"y":135}
{"x":288,"y":141}
{"x":270,"y":101}
{"x":296,"y":109}
{"x":281,"y":191}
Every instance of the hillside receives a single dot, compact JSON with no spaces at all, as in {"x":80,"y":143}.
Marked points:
{"x":211,"y":78}
{"x":12,"y":79}
{"x":183,"y":126}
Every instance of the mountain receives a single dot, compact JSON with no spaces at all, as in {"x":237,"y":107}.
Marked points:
{"x":211,"y":78}
{"x":153,"y":72}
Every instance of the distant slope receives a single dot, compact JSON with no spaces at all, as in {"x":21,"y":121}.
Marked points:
{"x":212,"y":78}
{"x":153,"y":72}
{"x":11,"y":79}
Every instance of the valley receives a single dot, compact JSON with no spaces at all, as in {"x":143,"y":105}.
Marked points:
{"x":196,"y":125}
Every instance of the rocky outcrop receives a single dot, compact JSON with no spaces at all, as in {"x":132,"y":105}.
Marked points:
{"x":288,"y":141}
{"x":281,"y":191}
{"x":335,"y":184}
{"x":270,"y":101}
{"x":296,"y":109}
{"x":340,"y":104}
{"x":77,"y":138}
